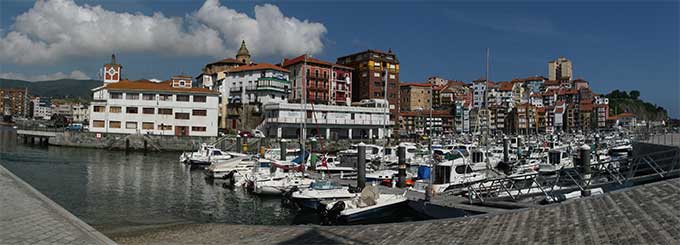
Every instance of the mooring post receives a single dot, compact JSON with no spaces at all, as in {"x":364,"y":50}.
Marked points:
{"x":283,"y":146}
{"x":401,"y":154}
{"x":361,"y":166}
{"x":506,"y":149}
{"x":597,"y":148}
{"x":585,"y":168}
{"x":239,"y":145}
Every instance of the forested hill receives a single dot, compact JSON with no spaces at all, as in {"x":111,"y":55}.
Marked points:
{"x":62,"y":88}
{"x":622,"y":101}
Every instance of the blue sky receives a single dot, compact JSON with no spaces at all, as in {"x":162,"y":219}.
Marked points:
{"x":613,"y":45}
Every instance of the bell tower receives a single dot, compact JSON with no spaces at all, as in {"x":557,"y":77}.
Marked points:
{"x":112,"y":71}
{"x":243,"y":55}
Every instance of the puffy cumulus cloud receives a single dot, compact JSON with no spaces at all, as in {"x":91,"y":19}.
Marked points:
{"x":60,"y":29}
{"x":76,"y":74}
{"x":269,"y":33}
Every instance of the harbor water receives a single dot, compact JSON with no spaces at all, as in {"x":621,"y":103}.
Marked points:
{"x":117,"y":191}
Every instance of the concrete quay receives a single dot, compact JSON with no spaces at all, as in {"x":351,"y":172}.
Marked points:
{"x":28,"y":217}
{"x":637,"y":215}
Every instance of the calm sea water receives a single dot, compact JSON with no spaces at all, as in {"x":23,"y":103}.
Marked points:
{"x":114,"y":189}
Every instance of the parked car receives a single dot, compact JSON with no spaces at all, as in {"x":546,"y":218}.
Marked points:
{"x":245,"y":134}
{"x":258,"y":134}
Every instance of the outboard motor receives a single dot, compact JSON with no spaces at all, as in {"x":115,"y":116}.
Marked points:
{"x":477,"y":156}
{"x":287,"y":200}
{"x":554,"y":157}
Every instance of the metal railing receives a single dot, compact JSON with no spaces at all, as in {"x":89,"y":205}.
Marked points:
{"x":621,"y":172}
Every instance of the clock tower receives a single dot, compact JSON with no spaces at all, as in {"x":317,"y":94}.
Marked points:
{"x":112,"y":71}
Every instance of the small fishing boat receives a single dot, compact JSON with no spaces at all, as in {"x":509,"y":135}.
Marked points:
{"x":368,"y":207}
{"x":318,"y":191}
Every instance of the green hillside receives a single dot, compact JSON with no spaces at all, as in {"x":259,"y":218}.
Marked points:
{"x":622,"y":101}
{"x":63,"y":88}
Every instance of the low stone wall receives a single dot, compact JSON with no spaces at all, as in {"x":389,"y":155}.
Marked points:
{"x":129,"y":142}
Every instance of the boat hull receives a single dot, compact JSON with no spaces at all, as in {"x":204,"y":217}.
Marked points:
{"x":374,"y":215}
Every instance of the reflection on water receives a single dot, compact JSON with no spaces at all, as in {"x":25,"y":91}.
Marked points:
{"x":115,"y":189}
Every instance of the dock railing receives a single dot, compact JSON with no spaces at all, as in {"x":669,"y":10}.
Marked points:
{"x":613,"y":173}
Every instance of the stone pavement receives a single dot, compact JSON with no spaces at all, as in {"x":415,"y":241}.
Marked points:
{"x":638,"y":215}
{"x":28,"y":217}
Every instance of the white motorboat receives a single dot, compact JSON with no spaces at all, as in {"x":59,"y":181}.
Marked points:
{"x":330,"y":164}
{"x":367,"y":207}
{"x":207,"y":155}
{"x":281,"y":177}
{"x":320,"y":190}
{"x":234,"y":169}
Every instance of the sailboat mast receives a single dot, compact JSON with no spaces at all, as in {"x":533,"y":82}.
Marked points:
{"x":303,"y":125}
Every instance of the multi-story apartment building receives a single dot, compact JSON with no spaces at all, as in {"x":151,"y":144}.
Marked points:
{"x":479,"y":88}
{"x":497,"y":119}
{"x":415,"y":96}
{"x":16,"y":100}
{"x":256,"y":84}
{"x":80,"y":113}
{"x":560,"y":69}
{"x":42,"y":108}
{"x":366,"y":119}
{"x":323,"y":82}
{"x":462,"y":116}
{"x":419,"y":122}
{"x":172,"y":107}
{"x":372,"y":68}
{"x":524,"y":119}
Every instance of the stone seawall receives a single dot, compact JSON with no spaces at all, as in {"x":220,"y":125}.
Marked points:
{"x":129,"y":142}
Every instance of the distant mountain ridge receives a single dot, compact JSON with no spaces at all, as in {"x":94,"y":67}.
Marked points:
{"x":62,"y":88}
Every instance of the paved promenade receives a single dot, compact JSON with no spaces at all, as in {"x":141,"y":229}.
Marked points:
{"x":639,"y":215}
{"x":28,"y":217}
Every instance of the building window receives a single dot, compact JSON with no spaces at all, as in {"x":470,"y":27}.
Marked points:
{"x":115,"y":109}
{"x":131,"y":110}
{"x":182,"y":97}
{"x":164,"y":127}
{"x":376,"y":74}
{"x":199,"y":98}
{"x":147,"y":125}
{"x":365,"y":74}
{"x":131,"y":125}
{"x":198,"y":129}
{"x":129,"y":96}
{"x":116,"y":95}
{"x":147,"y":110}
{"x":199,"y":112}
{"x":183,"y":116}
{"x":165,"y":97}
{"x":98,"y":123}
{"x":148,"y":96}
{"x":165,"y":111}
{"x":392,"y":76}
{"x":98,"y":108}
{"x":114,"y":124}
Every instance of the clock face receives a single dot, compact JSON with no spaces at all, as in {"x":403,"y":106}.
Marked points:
{"x":112,"y":71}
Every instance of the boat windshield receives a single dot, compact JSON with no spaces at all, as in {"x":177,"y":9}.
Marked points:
{"x":324,"y":185}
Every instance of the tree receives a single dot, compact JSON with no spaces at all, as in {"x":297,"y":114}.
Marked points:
{"x":634,"y":94}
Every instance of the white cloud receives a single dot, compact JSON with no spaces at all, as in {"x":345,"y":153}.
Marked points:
{"x":76,"y":74}
{"x":269,"y":33}
{"x":61,"y":29}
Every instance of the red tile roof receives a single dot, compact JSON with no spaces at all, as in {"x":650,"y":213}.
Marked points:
{"x":301,"y":58}
{"x":255,"y":67}
{"x":146,"y":85}
{"x":505,"y":86}
{"x":227,"y":61}
{"x":403,"y":84}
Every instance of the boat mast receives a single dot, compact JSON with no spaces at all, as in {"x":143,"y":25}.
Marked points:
{"x":387,"y":114}
{"x":303,"y":124}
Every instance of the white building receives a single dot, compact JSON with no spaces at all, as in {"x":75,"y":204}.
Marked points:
{"x":479,"y":93}
{"x":367,"y":120}
{"x":172,"y":107}
{"x":81,"y":113}
{"x":256,"y":83}
{"x":42,"y":108}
